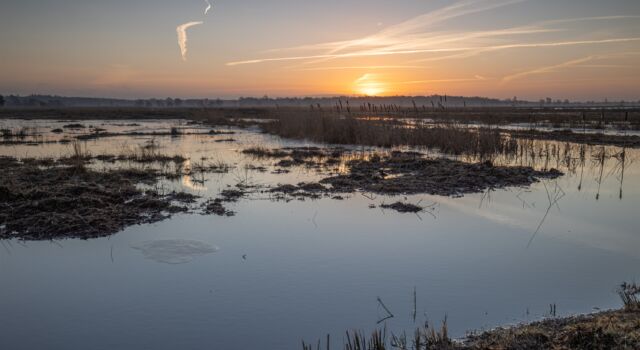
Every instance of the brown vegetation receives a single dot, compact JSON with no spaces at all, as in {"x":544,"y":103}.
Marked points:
{"x":39,"y":203}
{"x":609,"y":330}
{"x":409,"y":173}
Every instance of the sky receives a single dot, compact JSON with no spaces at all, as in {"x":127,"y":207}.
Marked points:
{"x":564,"y":49}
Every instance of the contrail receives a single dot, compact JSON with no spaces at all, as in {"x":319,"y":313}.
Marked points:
{"x":373,"y":53}
{"x":568,"y":64}
{"x":208,"y":7}
{"x":182,"y":37}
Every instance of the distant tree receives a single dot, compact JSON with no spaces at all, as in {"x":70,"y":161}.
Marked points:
{"x":1,"y":101}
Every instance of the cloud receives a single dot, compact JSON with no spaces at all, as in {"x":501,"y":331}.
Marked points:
{"x":547,"y":69}
{"x":208,"y":7}
{"x":569,"y":64}
{"x":182,"y":37}
{"x":360,"y":68}
{"x":395,"y":34}
{"x":427,"y":20}
{"x":474,"y":50}
{"x":416,"y":36}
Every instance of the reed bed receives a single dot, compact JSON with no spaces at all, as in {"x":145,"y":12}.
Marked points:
{"x":344,"y":130}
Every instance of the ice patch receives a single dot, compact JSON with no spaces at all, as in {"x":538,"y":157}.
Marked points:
{"x":174,"y":251}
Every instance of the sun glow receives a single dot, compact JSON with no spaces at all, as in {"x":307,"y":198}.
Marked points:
{"x":369,"y":85}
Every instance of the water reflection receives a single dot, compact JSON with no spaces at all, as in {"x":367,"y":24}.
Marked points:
{"x":320,"y":265}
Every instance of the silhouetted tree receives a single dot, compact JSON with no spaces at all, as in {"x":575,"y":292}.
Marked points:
{"x":1,"y":101}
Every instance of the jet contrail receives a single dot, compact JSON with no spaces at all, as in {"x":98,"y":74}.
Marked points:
{"x":208,"y":7}
{"x":182,"y":37}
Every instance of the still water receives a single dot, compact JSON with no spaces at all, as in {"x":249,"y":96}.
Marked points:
{"x":279,"y":272}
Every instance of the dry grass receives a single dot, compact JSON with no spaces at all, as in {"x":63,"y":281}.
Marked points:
{"x":629,"y":293}
{"x":334,"y":129}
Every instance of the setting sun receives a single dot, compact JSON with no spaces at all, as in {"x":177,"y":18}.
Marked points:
{"x":369,"y":85}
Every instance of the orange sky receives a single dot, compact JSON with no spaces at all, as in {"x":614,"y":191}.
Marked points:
{"x":576,"y":49}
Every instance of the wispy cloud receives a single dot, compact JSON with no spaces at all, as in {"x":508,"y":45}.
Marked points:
{"x":359,"y":68}
{"x":416,"y":36}
{"x":182,"y":37}
{"x":474,"y":50}
{"x":547,"y":69}
{"x":206,"y":10}
{"x":436,"y":81}
{"x":423,"y":22}
{"x":580,"y":62}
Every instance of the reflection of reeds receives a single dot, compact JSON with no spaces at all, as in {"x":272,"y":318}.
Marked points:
{"x":553,"y":197}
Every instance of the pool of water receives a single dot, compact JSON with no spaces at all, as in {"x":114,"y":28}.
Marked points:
{"x":279,"y":272}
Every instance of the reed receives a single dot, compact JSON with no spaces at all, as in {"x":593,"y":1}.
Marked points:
{"x":447,"y":138}
{"x":630,"y":295}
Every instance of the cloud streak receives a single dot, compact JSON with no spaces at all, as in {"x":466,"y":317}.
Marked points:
{"x":182,"y":37}
{"x":416,"y":36}
{"x":580,"y":62}
{"x":372,"y":53}
{"x":206,"y":10}
{"x":548,"y":69}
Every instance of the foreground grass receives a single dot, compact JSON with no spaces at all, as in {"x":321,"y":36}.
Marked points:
{"x":617,"y":329}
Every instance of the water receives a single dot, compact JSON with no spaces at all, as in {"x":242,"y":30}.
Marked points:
{"x":280,"y":272}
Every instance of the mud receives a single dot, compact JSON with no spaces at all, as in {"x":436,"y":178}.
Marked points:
{"x":607,"y":330}
{"x":410,"y":173}
{"x":403,"y":207}
{"x":45,"y":203}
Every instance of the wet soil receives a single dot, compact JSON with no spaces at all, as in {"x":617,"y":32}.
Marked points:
{"x":607,"y":330}
{"x":397,"y":173}
{"x":403,"y":207}
{"x":411,"y":173}
{"x":44,"y":203}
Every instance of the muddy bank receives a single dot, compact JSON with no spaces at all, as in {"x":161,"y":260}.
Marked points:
{"x":606,"y":330}
{"x":610,"y":330}
{"x":43,"y":203}
{"x":411,"y":173}
{"x":404,"y":173}
{"x":614,"y":329}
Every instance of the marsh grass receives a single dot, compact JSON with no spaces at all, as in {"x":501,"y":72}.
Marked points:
{"x":335,"y":129}
{"x":630,"y":295}
{"x":149,"y":152}
{"x":616,"y":329}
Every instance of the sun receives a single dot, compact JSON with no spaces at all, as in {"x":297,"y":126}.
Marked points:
{"x":371,"y":91}
{"x":369,"y":85}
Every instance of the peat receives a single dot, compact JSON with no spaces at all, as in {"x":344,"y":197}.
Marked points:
{"x":411,"y":173}
{"x":45,"y":203}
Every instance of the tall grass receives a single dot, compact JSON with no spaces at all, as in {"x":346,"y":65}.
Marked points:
{"x":79,"y":154}
{"x":336,"y":129}
{"x":425,"y":338}
{"x":630,"y":295}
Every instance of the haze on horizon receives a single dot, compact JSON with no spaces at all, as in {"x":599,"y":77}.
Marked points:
{"x":575,"y":49}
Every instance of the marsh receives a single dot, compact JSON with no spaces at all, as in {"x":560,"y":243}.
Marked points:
{"x":301,"y":253}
